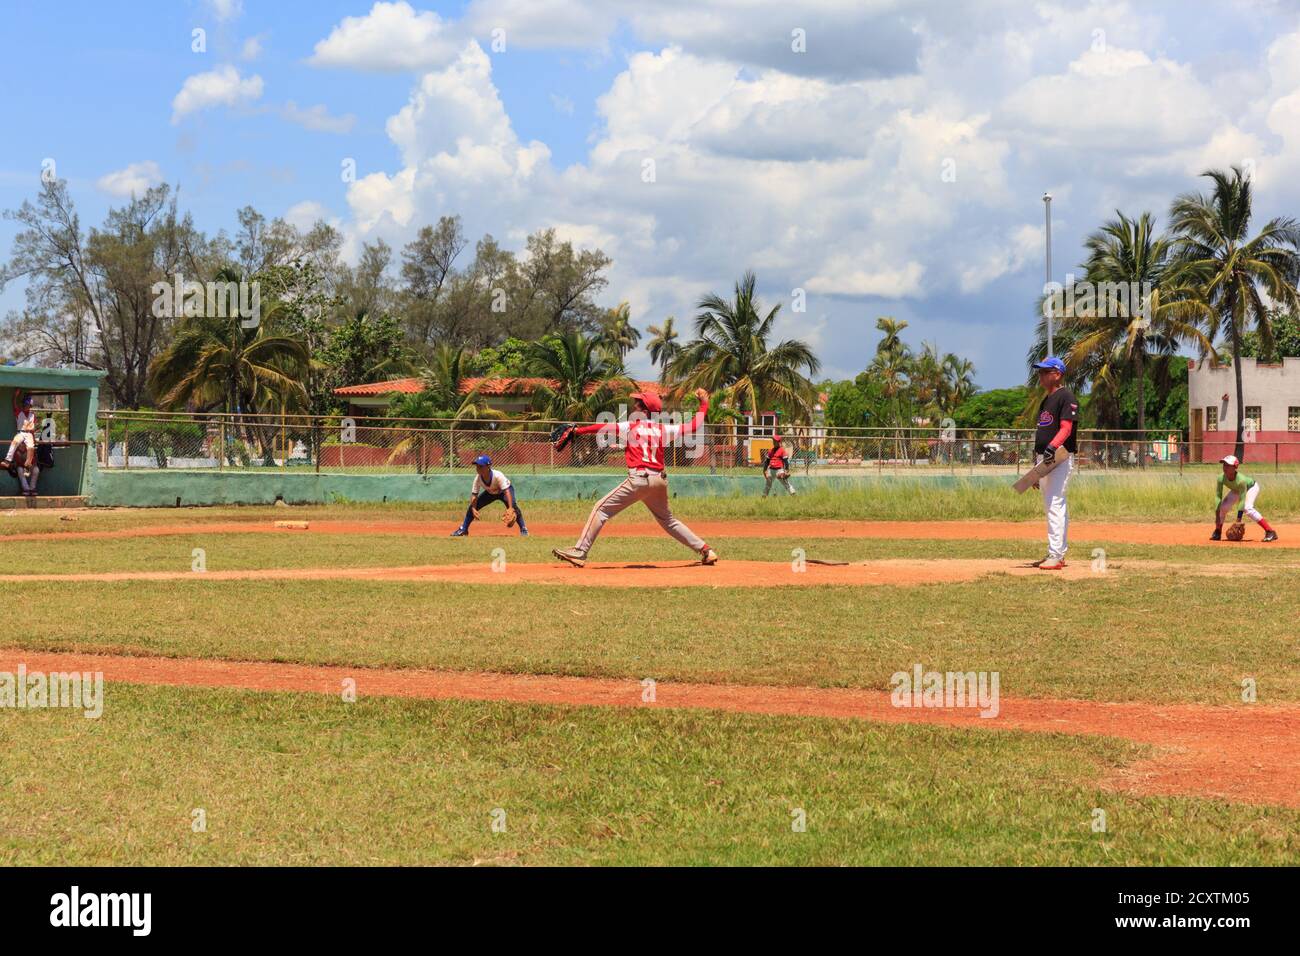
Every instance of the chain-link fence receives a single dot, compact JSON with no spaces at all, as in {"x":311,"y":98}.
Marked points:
{"x":341,"y":444}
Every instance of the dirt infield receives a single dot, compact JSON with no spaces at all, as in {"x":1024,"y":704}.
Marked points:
{"x":1243,"y":754}
{"x":896,"y":572}
{"x":1119,"y":532}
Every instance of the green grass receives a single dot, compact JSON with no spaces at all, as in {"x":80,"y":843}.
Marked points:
{"x":297,"y":779}
{"x":1095,"y":497}
{"x":225,"y":551}
{"x":1160,"y":636}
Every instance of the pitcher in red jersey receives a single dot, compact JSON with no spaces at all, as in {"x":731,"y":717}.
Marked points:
{"x":645,"y":440}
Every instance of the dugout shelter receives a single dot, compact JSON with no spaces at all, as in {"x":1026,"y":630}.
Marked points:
{"x":66,"y":401}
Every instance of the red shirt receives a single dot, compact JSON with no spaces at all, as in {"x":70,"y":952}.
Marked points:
{"x":777,"y":460}
{"x":645,"y":440}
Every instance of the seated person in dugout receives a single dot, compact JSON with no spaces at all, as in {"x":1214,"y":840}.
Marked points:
{"x":24,"y":433}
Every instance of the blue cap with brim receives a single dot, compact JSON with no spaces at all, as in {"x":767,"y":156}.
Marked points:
{"x":482,"y":460}
{"x":1051,"y":362}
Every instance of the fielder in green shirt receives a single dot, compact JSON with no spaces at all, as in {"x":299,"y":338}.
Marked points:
{"x":1234,"y":487}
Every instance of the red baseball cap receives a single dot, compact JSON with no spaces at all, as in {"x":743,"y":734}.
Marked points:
{"x":776,"y":438}
{"x":653,"y":402}
{"x":1229,"y":460}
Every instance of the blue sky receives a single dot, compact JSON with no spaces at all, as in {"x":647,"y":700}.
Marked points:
{"x":827,"y":169}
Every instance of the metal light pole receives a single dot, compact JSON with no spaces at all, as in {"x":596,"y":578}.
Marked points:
{"x":1047,"y":205}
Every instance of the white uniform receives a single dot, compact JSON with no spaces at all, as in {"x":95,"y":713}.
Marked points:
{"x":497,"y":486}
{"x":25,"y":422}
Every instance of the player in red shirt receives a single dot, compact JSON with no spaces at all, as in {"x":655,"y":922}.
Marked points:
{"x":645,"y":440}
{"x":776,"y":465}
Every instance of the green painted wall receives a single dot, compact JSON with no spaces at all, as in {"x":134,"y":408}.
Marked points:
{"x":162,"y":488}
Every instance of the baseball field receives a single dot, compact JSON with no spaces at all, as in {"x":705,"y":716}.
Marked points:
{"x":367,"y":690}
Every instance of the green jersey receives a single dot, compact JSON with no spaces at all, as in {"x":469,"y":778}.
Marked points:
{"x":1240,"y":485}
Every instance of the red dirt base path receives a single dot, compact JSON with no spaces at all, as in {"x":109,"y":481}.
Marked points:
{"x":1247,"y":754}
{"x":728,"y":574}
{"x":1120,"y":532}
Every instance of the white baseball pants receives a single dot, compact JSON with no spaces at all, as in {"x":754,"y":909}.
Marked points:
{"x":1247,"y":504}
{"x":649,"y":487}
{"x":1053,"y":486}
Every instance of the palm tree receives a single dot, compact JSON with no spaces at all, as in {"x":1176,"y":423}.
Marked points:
{"x":893,"y":368}
{"x":893,"y":328}
{"x":618,"y":332}
{"x":216,"y":363}
{"x":664,"y":346}
{"x":959,"y":381}
{"x":587,"y":378}
{"x":443,"y":384}
{"x":730,"y":355}
{"x":443,"y":396}
{"x":1136,"y":315}
{"x":928,"y":380}
{"x":1212,"y":252}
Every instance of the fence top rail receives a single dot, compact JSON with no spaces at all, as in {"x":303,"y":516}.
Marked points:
{"x":727,"y":429}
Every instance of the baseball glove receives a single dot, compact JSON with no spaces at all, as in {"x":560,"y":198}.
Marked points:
{"x":1236,"y":531}
{"x":561,"y":435}
{"x":509,"y":518}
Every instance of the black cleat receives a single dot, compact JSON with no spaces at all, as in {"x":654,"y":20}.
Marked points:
{"x":1270,"y":536}
{"x":460,"y":533}
{"x":1218,"y":535}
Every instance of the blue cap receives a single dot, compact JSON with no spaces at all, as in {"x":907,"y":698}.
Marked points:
{"x":1051,"y":362}
{"x":482,"y":460}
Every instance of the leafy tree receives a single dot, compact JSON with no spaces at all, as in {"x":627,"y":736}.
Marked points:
{"x":1286,"y":339}
{"x":363,"y":349}
{"x":427,"y":262}
{"x":506,"y":360}
{"x":90,"y":298}
{"x":996,"y":409}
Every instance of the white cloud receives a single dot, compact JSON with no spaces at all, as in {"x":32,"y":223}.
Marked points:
{"x":391,"y":38}
{"x":251,"y":49}
{"x":134,"y":180}
{"x":554,"y":24}
{"x":226,"y":9}
{"x":849,"y":274}
{"x":304,"y":215}
{"x":1026,"y":244}
{"x":1116,"y":100}
{"x":317,"y":118}
{"x":907,"y":182}
{"x":220,"y":87}
{"x":562,"y":104}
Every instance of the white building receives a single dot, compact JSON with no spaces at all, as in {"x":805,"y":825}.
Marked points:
{"x":1272,"y":403}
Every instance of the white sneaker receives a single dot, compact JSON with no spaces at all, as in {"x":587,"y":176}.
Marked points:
{"x":571,"y":555}
{"x":709,"y":556}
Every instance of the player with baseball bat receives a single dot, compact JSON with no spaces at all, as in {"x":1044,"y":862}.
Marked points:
{"x":1235,"y":487}
{"x":644,"y":441}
